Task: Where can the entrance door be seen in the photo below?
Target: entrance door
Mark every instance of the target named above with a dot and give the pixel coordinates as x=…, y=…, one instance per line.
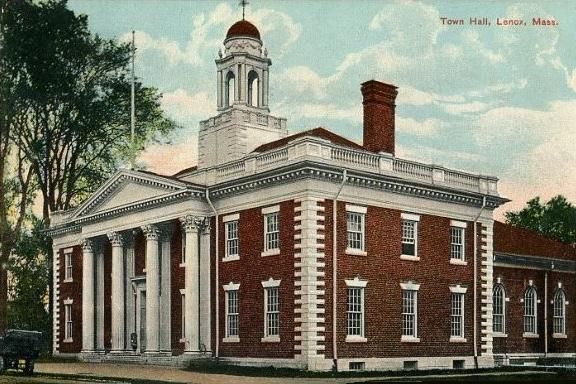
x=142, y=321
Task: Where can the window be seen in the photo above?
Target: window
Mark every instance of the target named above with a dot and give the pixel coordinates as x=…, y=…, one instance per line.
x=355, y=225
x=68, y=267
x=530, y=305
x=232, y=238
x=232, y=312
x=355, y=312
x=498, y=309
x=271, y=232
x=457, y=243
x=409, y=312
x=356, y=365
x=68, y=320
x=272, y=312
x=253, y=89
x=230, y=89
x=559, y=321
x=457, y=317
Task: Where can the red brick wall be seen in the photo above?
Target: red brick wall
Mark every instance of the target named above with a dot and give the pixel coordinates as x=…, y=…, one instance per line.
x=71, y=290
x=250, y=271
x=515, y=281
x=384, y=271
x=510, y=239
x=177, y=279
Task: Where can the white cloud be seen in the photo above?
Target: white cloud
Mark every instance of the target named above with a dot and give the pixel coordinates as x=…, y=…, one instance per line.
x=472, y=107
x=169, y=159
x=302, y=79
x=426, y=127
x=184, y=107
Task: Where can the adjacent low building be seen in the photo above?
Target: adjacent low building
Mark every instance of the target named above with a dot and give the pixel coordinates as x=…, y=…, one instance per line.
x=305, y=250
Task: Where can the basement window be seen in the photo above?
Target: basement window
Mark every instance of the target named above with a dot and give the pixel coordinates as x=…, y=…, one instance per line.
x=356, y=365
x=411, y=365
x=458, y=364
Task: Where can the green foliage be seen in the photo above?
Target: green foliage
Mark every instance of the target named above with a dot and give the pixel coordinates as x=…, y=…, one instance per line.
x=555, y=219
x=29, y=278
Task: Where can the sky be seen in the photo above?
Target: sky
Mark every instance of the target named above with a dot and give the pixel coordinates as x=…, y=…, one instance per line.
x=494, y=99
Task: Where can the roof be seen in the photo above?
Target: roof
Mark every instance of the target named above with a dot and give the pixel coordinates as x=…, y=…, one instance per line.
x=521, y=241
x=243, y=28
x=319, y=132
x=184, y=171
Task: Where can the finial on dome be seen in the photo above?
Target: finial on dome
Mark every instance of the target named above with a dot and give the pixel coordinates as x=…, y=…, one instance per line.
x=243, y=3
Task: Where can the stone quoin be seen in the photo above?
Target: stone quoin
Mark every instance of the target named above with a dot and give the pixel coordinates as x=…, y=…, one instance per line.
x=306, y=250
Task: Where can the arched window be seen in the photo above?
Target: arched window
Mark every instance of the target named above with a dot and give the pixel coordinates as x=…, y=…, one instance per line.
x=499, y=311
x=230, y=89
x=530, y=305
x=253, y=86
x=559, y=312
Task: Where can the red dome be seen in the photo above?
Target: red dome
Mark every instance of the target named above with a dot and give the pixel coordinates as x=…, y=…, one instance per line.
x=243, y=28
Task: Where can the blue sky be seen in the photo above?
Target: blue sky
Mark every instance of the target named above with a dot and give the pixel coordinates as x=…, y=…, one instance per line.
x=498, y=100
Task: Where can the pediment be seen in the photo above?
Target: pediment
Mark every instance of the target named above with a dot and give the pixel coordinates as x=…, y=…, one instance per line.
x=126, y=188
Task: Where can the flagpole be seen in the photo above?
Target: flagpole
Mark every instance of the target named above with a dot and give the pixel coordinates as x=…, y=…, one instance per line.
x=132, y=103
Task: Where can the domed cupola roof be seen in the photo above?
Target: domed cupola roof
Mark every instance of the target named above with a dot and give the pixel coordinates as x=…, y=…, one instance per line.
x=243, y=28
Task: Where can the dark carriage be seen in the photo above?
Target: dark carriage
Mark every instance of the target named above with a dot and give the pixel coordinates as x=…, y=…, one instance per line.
x=19, y=349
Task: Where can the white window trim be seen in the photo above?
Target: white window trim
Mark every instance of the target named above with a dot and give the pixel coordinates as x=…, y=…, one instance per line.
x=458, y=224
x=356, y=209
x=68, y=304
x=230, y=287
x=416, y=219
x=360, y=210
x=227, y=257
x=272, y=209
x=232, y=217
x=411, y=286
x=458, y=289
x=265, y=212
x=409, y=216
x=183, y=316
x=458, y=262
x=357, y=283
x=530, y=335
x=68, y=262
x=557, y=335
x=270, y=283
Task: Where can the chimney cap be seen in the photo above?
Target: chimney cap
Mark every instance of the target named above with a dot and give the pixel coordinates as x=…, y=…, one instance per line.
x=377, y=84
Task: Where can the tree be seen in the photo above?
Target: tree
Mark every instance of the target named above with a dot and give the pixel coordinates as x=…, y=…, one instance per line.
x=64, y=121
x=555, y=219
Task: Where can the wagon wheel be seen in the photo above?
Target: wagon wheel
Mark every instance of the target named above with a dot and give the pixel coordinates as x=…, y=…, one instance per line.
x=29, y=367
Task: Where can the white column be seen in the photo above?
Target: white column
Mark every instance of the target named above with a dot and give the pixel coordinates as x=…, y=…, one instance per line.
x=130, y=300
x=88, y=301
x=265, y=88
x=99, y=299
x=191, y=295
x=152, y=288
x=205, y=300
x=118, y=293
x=165, y=302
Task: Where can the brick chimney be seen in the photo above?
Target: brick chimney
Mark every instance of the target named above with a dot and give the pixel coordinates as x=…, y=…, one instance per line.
x=379, y=109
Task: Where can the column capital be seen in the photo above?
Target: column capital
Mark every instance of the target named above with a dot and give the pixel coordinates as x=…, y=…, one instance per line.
x=87, y=245
x=151, y=231
x=116, y=239
x=191, y=223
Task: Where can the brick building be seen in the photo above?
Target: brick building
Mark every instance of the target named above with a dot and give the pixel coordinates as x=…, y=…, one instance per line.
x=307, y=251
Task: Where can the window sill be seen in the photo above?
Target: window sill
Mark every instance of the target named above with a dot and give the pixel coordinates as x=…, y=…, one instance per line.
x=498, y=334
x=232, y=339
x=270, y=339
x=530, y=335
x=356, y=252
x=69, y=280
x=143, y=270
x=182, y=265
x=559, y=336
x=409, y=258
x=270, y=252
x=410, y=339
x=356, y=339
x=67, y=341
x=458, y=262
x=182, y=340
x=457, y=339
x=231, y=258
